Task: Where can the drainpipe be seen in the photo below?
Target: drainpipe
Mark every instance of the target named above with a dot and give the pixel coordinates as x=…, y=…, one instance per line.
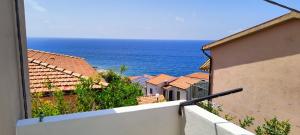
x=21, y=58
x=210, y=71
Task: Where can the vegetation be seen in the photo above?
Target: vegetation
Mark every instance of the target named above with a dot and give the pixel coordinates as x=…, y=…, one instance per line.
x=87, y=97
x=270, y=127
x=119, y=92
x=274, y=127
x=42, y=107
x=210, y=107
x=246, y=122
x=229, y=117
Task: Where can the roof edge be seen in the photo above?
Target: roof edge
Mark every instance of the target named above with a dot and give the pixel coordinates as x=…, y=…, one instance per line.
x=254, y=29
x=59, y=69
x=59, y=54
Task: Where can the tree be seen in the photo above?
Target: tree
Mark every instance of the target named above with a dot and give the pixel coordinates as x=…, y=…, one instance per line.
x=86, y=95
x=274, y=127
x=120, y=93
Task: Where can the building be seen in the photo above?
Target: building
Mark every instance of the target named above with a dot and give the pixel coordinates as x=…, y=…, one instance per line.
x=265, y=61
x=199, y=75
x=179, y=89
x=187, y=87
x=62, y=71
x=141, y=80
x=156, y=84
x=159, y=118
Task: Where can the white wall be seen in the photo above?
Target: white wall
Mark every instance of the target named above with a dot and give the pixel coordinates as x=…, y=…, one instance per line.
x=155, y=88
x=11, y=102
x=150, y=119
x=201, y=122
x=183, y=93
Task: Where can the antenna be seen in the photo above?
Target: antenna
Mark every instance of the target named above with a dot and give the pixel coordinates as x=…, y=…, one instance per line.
x=283, y=6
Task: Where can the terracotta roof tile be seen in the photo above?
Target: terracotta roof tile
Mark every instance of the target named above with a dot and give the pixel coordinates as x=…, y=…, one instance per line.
x=199, y=75
x=150, y=99
x=71, y=63
x=64, y=72
x=184, y=82
x=161, y=79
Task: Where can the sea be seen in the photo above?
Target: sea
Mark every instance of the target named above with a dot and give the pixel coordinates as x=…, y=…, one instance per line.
x=173, y=57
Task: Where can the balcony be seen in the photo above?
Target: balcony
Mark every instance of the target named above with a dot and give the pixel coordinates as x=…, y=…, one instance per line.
x=149, y=119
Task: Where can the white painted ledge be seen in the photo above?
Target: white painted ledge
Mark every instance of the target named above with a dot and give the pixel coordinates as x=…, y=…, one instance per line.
x=202, y=122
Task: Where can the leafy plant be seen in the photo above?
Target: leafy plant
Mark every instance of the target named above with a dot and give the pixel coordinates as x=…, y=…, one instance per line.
x=274, y=127
x=246, y=122
x=61, y=105
x=229, y=117
x=42, y=107
x=120, y=93
x=86, y=96
x=210, y=107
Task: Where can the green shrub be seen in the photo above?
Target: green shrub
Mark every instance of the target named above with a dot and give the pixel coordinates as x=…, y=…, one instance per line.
x=229, y=117
x=210, y=107
x=61, y=105
x=86, y=96
x=42, y=107
x=246, y=122
x=274, y=127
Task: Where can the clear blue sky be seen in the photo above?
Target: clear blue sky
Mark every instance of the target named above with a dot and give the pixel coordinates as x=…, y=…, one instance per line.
x=147, y=19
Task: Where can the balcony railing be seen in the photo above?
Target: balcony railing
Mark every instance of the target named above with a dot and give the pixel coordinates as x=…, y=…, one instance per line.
x=150, y=119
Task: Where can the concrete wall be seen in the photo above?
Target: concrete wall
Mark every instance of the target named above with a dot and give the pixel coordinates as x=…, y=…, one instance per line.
x=201, y=122
x=155, y=88
x=267, y=66
x=150, y=119
x=183, y=93
x=11, y=102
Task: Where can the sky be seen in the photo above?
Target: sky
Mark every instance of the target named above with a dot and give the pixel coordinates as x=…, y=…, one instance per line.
x=147, y=19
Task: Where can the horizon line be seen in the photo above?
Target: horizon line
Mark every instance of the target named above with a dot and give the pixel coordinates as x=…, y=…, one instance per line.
x=121, y=38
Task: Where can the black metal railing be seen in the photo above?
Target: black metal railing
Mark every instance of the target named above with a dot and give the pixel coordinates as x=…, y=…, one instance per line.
x=195, y=101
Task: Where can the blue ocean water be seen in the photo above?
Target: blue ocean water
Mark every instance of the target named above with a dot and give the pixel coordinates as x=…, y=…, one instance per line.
x=173, y=57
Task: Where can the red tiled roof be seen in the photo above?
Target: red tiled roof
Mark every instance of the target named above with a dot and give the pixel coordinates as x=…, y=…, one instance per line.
x=71, y=63
x=150, y=99
x=160, y=79
x=184, y=82
x=199, y=75
x=61, y=73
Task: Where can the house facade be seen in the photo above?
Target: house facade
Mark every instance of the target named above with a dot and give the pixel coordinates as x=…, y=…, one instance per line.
x=141, y=80
x=185, y=88
x=156, y=84
x=265, y=61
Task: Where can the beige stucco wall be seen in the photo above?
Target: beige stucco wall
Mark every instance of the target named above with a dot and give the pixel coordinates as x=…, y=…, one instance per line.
x=11, y=102
x=267, y=65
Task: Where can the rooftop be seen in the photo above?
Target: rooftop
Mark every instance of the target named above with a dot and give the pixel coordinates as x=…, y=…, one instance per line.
x=150, y=99
x=62, y=71
x=161, y=79
x=184, y=82
x=257, y=28
x=199, y=75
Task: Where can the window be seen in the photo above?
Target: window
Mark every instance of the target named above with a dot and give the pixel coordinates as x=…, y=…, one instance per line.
x=151, y=91
x=178, y=95
x=164, y=93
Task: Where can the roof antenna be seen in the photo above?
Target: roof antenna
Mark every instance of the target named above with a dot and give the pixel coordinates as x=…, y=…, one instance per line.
x=283, y=6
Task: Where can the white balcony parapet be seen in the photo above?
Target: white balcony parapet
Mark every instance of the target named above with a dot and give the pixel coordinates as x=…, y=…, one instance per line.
x=150, y=119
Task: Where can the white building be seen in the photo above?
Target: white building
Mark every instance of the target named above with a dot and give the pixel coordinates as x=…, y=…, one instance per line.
x=156, y=84
x=142, y=81
x=184, y=88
